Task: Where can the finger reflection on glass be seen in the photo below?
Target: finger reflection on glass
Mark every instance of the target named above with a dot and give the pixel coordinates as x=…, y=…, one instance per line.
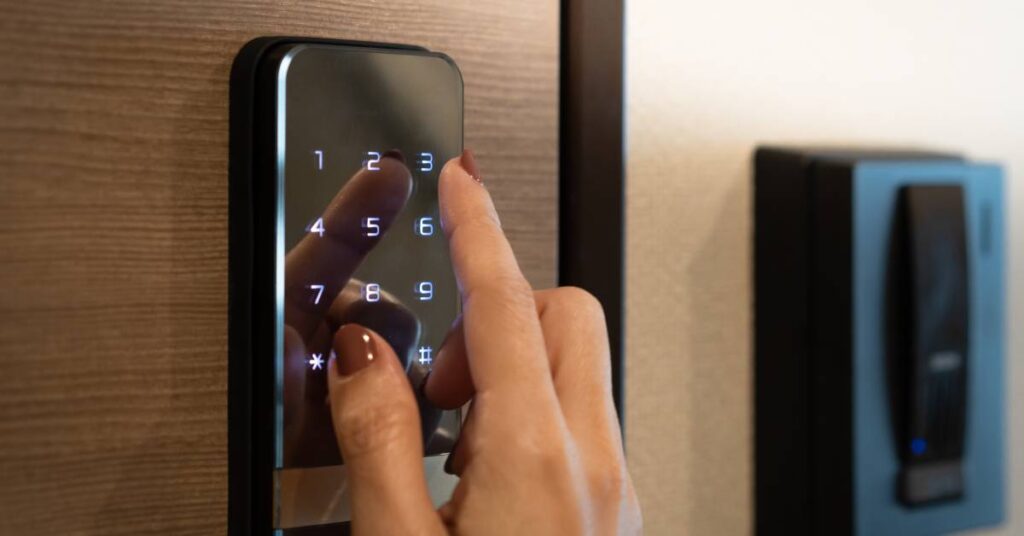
x=353, y=223
x=321, y=295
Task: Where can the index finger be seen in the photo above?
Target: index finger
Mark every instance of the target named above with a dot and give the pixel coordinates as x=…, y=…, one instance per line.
x=503, y=336
x=320, y=265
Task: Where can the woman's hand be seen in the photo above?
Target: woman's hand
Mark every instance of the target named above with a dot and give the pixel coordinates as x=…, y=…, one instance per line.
x=540, y=451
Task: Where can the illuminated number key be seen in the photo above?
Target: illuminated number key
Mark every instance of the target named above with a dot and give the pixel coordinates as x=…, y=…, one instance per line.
x=371, y=292
x=425, y=290
x=319, y=289
x=424, y=226
x=426, y=162
x=371, y=226
x=373, y=158
x=317, y=227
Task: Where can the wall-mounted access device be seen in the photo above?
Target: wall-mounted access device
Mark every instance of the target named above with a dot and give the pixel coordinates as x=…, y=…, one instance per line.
x=878, y=342
x=336, y=148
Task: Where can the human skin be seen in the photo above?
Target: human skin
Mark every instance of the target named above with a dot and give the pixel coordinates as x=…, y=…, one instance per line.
x=541, y=449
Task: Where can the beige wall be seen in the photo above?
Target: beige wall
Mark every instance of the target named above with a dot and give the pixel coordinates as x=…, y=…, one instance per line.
x=707, y=82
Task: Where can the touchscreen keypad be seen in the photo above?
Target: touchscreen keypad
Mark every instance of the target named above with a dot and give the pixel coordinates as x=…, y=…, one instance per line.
x=364, y=137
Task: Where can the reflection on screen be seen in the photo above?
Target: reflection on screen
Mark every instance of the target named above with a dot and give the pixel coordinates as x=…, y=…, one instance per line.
x=365, y=133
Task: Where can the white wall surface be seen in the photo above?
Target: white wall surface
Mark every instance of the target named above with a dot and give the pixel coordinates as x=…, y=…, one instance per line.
x=707, y=82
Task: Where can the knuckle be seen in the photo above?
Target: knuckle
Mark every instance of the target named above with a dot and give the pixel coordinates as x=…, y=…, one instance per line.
x=554, y=465
x=549, y=451
x=539, y=445
x=576, y=304
x=582, y=300
x=608, y=486
x=551, y=460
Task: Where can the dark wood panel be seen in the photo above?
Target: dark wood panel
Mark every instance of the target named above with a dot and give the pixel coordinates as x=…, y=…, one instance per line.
x=113, y=231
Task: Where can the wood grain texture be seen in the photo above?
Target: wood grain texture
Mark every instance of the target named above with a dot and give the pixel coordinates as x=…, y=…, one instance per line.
x=113, y=231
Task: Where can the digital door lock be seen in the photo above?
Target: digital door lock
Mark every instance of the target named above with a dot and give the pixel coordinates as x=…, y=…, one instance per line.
x=336, y=149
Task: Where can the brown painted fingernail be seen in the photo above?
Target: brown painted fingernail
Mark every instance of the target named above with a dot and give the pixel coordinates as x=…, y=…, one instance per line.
x=468, y=163
x=396, y=154
x=355, y=348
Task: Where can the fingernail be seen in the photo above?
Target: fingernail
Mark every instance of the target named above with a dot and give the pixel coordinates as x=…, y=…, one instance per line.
x=469, y=164
x=355, y=347
x=396, y=154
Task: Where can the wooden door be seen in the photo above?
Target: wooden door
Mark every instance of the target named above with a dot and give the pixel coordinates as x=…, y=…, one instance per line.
x=113, y=231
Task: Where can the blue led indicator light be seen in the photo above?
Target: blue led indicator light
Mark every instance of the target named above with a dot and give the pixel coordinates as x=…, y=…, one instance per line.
x=918, y=446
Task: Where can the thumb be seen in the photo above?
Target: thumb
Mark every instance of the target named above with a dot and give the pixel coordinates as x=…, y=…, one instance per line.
x=377, y=426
